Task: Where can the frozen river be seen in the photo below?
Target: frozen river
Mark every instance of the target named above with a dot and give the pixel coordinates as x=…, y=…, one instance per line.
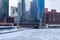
x=32, y=34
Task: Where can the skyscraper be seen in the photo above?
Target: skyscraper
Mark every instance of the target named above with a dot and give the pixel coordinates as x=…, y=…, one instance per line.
x=22, y=10
x=13, y=10
x=19, y=10
x=41, y=11
x=4, y=9
x=23, y=19
x=33, y=11
x=1, y=10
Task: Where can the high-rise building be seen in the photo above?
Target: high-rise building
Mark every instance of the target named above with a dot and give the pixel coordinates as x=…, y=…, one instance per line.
x=41, y=11
x=4, y=9
x=23, y=19
x=22, y=11
x=28, y=16
x=14, y=10
x=33, y=11
x=14, y=14
x=19, y=10
x=1, y=12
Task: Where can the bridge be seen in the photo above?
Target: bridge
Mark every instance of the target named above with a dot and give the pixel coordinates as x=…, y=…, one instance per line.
x=29, y=25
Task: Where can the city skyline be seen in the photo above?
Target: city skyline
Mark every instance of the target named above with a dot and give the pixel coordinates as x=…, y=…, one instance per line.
x=15, y=4
x=48, y=4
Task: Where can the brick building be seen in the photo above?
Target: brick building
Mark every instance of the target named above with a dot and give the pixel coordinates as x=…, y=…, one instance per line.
x=52, y=17
x=10, y=20
x=46, y=10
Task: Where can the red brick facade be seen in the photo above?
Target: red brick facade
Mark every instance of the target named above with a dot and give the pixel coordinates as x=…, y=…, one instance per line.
x=52, y=17
x=46, y=10
x=10, y=20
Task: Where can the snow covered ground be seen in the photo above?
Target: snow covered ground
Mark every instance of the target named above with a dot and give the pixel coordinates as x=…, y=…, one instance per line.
x=32, y=34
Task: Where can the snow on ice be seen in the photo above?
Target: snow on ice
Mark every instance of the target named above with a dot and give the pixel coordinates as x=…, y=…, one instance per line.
x=32, y=34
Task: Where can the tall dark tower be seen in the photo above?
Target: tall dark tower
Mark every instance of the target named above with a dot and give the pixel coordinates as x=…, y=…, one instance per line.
x=4, y=9
x=41, y=11
x=23, y=18
x=33, y=11
x=1, y=10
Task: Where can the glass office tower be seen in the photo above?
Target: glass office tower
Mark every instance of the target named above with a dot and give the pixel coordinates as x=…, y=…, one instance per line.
x=21, y=11
x=33, y=11
x=6, y=8
x=41, y=11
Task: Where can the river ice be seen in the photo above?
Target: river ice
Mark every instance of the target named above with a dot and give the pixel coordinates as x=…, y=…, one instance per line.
x=32, y=34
